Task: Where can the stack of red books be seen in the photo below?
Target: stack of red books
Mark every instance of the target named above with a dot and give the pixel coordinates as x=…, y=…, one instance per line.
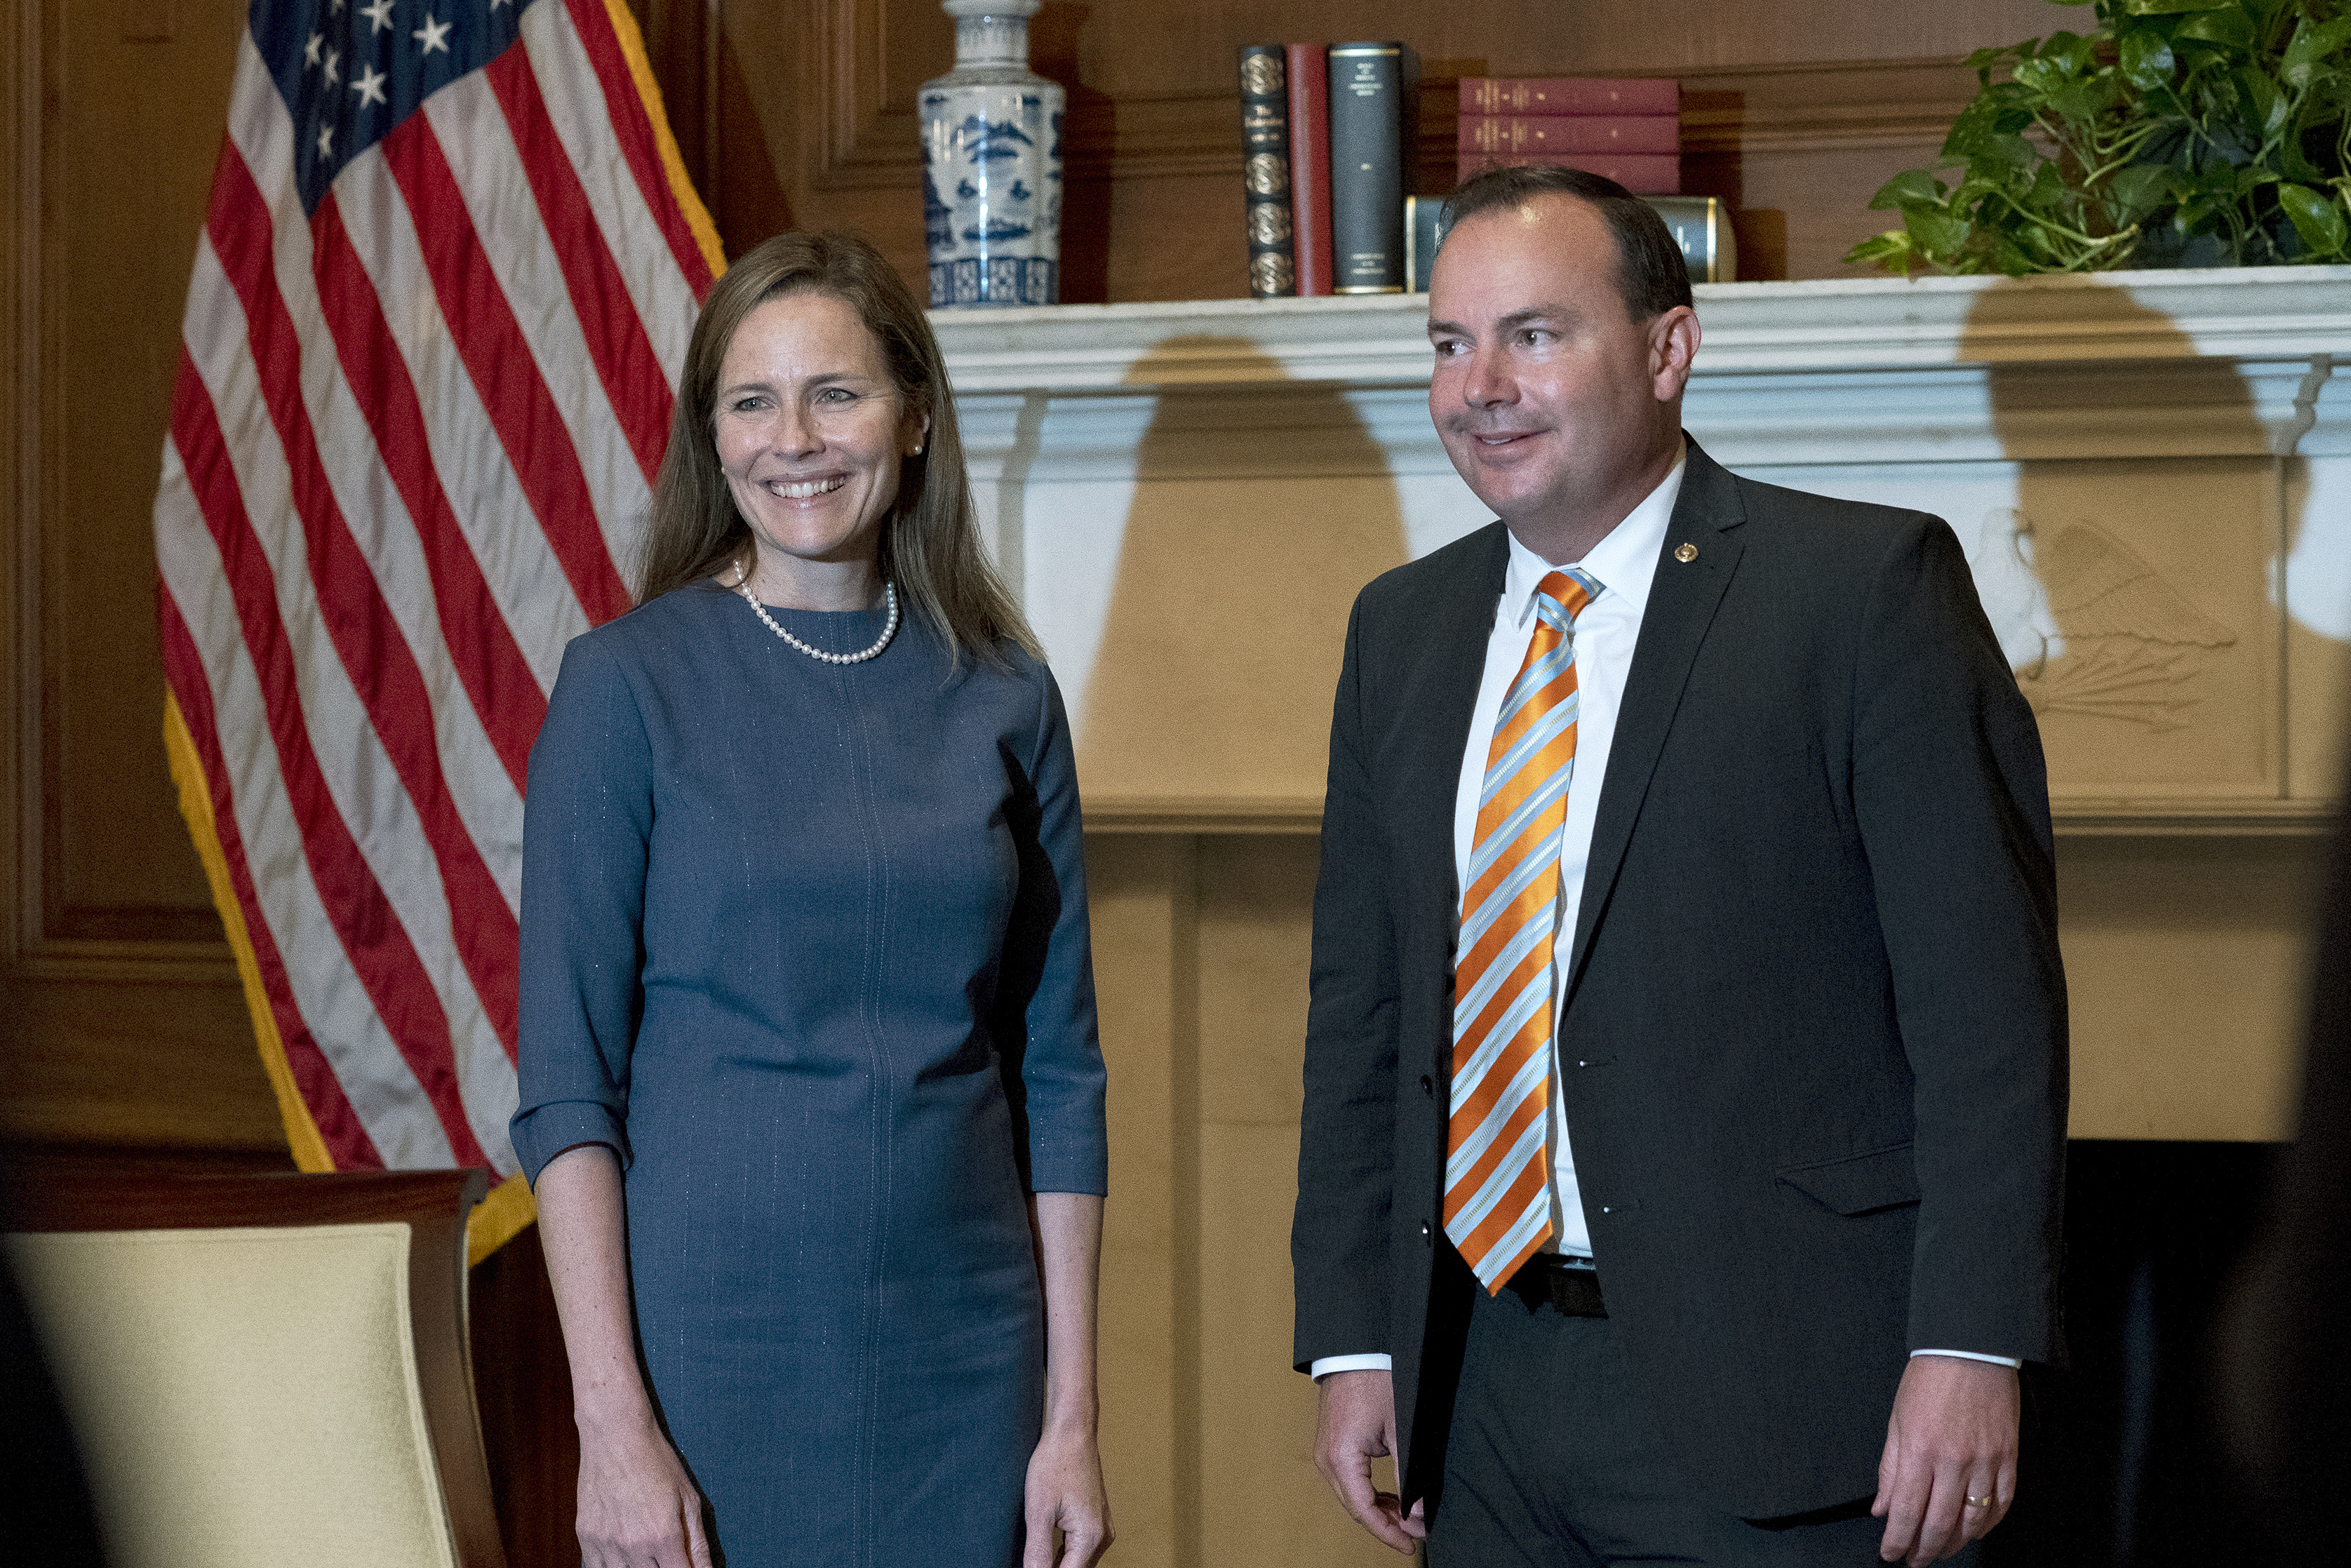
x=1627, y=130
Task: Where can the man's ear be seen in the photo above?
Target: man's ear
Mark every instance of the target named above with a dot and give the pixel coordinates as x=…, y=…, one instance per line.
x=1673, y=345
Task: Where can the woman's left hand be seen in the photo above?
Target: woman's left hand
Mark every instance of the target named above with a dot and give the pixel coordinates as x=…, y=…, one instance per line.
x=1065, y=1494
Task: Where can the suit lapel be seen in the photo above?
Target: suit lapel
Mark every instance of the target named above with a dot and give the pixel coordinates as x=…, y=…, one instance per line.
x=1683, y=597
x=1439, y=697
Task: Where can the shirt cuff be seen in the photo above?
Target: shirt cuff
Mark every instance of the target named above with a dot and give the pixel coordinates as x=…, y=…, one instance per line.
x=2007, y=1361
x=1330, y=1363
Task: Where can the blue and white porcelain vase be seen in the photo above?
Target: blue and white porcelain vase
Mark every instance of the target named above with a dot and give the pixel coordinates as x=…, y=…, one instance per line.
x=992, y=164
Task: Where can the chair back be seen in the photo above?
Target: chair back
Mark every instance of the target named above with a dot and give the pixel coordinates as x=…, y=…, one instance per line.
x=266, y=1370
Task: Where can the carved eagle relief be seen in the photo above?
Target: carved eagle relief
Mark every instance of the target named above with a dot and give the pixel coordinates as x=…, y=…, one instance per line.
x=2087, y=625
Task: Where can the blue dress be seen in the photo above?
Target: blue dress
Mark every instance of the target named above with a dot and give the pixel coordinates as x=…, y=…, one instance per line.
x=806, y=944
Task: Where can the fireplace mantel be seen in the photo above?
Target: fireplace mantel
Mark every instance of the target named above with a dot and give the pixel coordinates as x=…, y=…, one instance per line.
x=1186, y=495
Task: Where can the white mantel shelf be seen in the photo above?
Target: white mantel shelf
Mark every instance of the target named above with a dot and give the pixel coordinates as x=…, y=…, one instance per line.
x=2189, y=430
x=1834, y=325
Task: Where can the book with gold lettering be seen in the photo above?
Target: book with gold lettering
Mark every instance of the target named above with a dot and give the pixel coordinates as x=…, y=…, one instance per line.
x=1516, y=133
x=1569, y=95
x=1266, y=176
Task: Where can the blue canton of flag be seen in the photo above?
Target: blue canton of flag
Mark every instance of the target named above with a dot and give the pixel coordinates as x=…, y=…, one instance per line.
x=349, y=71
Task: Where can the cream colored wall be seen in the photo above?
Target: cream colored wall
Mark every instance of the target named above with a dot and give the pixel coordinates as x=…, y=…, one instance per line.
x=1200, y=946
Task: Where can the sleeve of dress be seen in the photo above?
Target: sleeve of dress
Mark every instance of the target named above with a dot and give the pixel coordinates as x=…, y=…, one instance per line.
x=1043, y=1019
x=587, y=819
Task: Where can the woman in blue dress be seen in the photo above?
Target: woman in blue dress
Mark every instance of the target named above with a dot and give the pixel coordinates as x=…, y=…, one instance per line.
x=810, y=1091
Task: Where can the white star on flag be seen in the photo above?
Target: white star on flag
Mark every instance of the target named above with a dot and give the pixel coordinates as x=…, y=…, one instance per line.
x=380, y=13
x=334, y=71
x=434, y=34
x=370, y=87
x=326, y=141
x=310, y=49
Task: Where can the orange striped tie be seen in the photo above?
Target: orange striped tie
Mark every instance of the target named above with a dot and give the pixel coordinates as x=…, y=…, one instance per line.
x=1496, y=1177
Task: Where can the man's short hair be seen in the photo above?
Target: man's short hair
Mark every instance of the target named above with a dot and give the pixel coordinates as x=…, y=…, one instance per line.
x=1650, y=272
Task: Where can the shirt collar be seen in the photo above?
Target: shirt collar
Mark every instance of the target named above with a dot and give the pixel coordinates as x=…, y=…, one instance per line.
x=1623, y=563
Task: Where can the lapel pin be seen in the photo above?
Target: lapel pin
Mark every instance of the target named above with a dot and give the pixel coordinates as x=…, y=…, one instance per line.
x=1686, y=553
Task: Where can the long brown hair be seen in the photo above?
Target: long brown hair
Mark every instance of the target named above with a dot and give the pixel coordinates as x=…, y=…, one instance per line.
x=930, y=542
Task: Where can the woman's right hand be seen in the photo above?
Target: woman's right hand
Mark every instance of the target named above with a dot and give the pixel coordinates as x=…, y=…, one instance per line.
x=638, y=1509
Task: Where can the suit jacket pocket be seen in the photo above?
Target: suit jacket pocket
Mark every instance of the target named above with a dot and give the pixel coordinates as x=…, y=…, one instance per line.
x=1864, y=1183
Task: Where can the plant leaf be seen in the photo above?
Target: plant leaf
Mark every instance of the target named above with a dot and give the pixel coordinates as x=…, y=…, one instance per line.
x=1909, y=187
x=2226, y=25
x=2146, y=59
x=2267, y=106
x=2168, y=7
x=2138, y=188
x=2318, y=221
x=2086, y=98
x=1973, y=131
x=2313, y=42
x=2042, y=75
x=1938, y=234
x=2006, y=258
x=2003, y=155
x=1890, y=250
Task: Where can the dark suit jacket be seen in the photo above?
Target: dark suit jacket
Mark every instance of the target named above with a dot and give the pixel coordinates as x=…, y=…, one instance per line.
x=1813, y=1039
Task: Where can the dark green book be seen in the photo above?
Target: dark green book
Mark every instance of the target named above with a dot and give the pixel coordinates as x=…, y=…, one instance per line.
x=1368, y=177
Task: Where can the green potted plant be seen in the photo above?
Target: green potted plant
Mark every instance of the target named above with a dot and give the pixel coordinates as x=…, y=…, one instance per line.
x=2176, y=132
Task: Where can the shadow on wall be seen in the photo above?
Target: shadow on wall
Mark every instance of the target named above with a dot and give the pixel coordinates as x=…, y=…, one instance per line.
x=2137, y=629
x=1258, y=512
x=2141, y=596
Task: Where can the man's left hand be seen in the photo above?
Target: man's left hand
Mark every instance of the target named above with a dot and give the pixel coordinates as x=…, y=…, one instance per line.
x=1952, y=1437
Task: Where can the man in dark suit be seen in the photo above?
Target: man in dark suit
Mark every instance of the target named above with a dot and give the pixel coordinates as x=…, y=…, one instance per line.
x=1683, y=1144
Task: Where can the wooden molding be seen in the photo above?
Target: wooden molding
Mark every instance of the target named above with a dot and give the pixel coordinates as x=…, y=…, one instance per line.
x=21, y=100
x=2074, y=816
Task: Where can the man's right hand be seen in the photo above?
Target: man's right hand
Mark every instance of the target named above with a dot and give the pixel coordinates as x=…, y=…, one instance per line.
x=637, y=1507
x=1355, y=1423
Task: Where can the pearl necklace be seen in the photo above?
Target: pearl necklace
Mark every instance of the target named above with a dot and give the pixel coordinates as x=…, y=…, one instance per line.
x=890, y=629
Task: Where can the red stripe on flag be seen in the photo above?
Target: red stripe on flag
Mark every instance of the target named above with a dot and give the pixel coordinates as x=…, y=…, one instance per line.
x=338, y=1125
x=382, y=668
x=635, y=131
x=490, y=340
x=624, y=357
x=488, y=660
x=374, y=654
x=381, y=955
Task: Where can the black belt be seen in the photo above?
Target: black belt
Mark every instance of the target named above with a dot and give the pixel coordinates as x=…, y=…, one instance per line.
x=1569, y=1285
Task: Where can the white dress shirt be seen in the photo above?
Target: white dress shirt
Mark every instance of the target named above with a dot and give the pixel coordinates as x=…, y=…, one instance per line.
x=1623, y=564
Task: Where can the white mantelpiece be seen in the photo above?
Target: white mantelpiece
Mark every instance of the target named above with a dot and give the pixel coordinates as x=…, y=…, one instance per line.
x=1186, y=495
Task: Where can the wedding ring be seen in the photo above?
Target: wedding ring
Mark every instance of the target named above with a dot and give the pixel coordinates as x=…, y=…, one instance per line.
x=1980, y=1502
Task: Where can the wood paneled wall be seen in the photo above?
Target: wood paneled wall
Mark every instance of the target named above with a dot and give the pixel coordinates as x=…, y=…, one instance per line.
x=802, y=112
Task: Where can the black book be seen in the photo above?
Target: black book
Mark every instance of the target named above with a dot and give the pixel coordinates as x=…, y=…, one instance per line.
x=1367, y=173
x=1265, y=170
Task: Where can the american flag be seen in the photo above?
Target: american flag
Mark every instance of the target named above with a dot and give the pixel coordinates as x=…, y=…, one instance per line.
x=433, y=338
